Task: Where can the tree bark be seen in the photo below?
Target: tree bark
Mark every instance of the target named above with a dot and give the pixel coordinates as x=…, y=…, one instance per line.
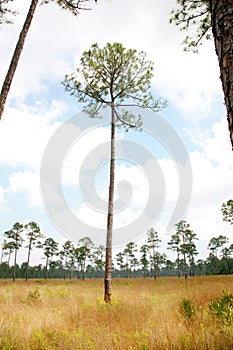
x=14, y=270
x=108, y=264
x=178, y=263
x=29, y=253
x=222, y=28
x=46, y=268
x=155, y=265
x=16, y=55
x=8, y=264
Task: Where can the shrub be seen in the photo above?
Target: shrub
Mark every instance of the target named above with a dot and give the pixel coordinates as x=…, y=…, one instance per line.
x=34, y=296
x=223, y=307
x=187, y=309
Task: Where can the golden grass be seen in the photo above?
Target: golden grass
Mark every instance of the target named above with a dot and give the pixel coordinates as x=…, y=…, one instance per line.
x=145, y=315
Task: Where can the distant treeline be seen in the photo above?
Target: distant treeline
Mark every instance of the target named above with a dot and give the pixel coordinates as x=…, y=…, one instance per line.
x=85, y=260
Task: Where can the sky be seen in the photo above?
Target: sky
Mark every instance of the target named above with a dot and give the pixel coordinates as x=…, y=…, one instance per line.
x=54, y=160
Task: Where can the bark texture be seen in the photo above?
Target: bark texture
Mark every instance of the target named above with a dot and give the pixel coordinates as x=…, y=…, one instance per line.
x=108, y=265
x=16, y=56
x=29, y=253
x=222, y=27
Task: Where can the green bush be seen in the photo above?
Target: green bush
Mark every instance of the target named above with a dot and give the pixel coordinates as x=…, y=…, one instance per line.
x=34, y=296
x=223, y=307
x=187, y=309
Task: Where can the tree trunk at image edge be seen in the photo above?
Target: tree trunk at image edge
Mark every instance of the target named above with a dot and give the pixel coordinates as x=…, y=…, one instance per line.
x=222, y=27
x=108, y=264
x=15, y=58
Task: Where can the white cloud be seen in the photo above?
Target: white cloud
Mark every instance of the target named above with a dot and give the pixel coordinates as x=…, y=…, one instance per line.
x=25, y=132
x=2, y=197
x=212, y=174
x=218, y=147
x=131, y=195
x=80, y=150
x=190, y=81
x=26, y=182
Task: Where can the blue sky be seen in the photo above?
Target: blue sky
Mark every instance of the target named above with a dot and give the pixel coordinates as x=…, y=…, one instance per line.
x=38, y=106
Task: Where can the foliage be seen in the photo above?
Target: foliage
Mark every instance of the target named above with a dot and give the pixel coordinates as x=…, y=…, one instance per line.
x=34, y=237
x=33, y=234
x=223, y=307
x=115, y=77
x=216, y=243
x=187, y=308
x=182, y=242
x=74, y=6
x=156, y=258
x=194, y=15
x=144, y=317
x=113, y=74
x=34, y=296
x=5, y=11
x=227, y=211
x=86, y=260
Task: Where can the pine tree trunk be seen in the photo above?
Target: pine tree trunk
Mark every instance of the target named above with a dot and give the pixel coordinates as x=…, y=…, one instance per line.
x=46, y=268
x=222, y=28
x=185, y=267
x=14, y=270
x=29, y=252
x=178, y=263
x=16, y=56
x=84, y=267
x=154, y=263
x=8, y=265
x=108, y=263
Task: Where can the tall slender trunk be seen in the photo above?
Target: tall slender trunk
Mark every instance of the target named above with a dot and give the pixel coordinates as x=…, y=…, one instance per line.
x=8, y=264
x=46, y=268
x=64, y=270
x=16, y=55
x=192, y=266
x=127, y=267
x=84, y=267
x=29, y=252
x=155, y=264
x=184, y=261
x=224, y=258
x=178, y=263
x=222, y=28
x=14, y=270
x=108, y=263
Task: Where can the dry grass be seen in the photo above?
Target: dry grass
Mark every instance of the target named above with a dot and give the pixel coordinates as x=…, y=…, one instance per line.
x=70, y=315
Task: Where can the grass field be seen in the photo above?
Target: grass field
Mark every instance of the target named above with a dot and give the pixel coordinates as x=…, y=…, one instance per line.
x=144, y=314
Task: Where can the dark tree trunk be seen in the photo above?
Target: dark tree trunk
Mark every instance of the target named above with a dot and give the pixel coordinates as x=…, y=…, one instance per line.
x=29, y=253
x=46, y=268
x=14, y=269
x=185, y=266
x=8, y=265
x=222, y=27
x=16, y=55
x=84, y=267
x=178, y=263
x=155, y=265
x=108, y=263
x=192, y=267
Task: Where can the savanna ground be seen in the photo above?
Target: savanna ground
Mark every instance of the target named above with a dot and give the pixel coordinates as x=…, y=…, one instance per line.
x=145, y=315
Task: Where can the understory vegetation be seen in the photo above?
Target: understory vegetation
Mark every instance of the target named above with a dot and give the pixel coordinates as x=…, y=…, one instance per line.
x=170, y=313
